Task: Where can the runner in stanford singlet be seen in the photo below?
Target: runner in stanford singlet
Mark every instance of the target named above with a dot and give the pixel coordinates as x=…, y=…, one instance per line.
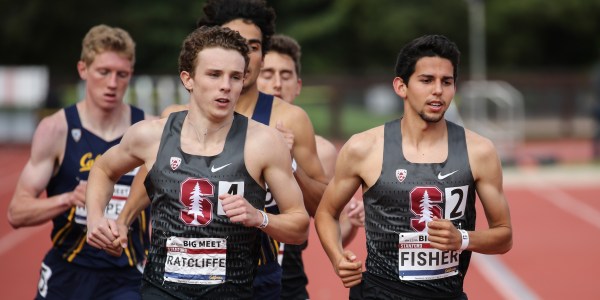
x=407, y=196
x=196, y=251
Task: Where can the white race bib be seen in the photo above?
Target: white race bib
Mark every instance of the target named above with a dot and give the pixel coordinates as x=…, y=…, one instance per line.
x=417, y=260
x=196, y=260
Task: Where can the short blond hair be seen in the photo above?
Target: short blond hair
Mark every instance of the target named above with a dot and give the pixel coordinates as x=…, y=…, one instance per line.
x=102, y=38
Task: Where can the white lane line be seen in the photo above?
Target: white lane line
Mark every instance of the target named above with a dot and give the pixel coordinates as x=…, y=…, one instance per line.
x=570, y=204
x=508, y=284
x=14, y=238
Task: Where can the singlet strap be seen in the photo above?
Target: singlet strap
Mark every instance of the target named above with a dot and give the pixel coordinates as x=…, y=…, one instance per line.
x=73, y=120
x=392, y=146
x=136, y=114
x=264, y=106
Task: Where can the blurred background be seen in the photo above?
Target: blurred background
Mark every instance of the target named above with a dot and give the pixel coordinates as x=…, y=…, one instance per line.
x=530, y=69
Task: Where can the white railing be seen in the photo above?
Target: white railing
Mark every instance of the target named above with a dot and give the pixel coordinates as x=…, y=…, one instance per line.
x=494, y=109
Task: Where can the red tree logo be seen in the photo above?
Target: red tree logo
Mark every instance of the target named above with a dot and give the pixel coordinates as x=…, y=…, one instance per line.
x=423, y=203
x=193, y=193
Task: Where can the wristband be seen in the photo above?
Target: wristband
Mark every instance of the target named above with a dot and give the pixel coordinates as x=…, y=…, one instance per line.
x=265, y=221
x=464, y=238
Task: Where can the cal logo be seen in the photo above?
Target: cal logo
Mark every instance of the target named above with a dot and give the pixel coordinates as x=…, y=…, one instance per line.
x=175, y=162
x=87, y=161
x=76, y=134
x=401, y=174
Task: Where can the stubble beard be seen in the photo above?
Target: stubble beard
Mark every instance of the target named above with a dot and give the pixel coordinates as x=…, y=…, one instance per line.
x=431, y=119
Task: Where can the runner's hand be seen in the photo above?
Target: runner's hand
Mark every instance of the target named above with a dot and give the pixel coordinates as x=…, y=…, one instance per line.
x=77, y=196
x=120, y=243
x=349, y=269
x=239, y=210
x=443, y=235
x=288, y=135
x=102, y=232
x=356, y=212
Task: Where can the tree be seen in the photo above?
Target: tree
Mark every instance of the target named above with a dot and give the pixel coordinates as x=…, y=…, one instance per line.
x=196, y=207
x=426, y=213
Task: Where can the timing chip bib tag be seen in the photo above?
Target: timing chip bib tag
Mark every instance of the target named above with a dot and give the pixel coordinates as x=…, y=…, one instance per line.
x=196, y=260
x=417, y=260
x=281, y=253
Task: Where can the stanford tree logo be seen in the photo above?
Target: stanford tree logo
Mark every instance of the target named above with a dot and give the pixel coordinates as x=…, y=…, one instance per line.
x=198, y=208
x=424, y=203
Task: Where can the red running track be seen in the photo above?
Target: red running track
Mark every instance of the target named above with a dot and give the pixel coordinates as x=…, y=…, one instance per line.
x=555, y=214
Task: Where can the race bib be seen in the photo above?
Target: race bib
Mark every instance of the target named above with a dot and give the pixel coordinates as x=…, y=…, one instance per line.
x=113, y=209
x=417, y=260
x=196, y=260
x=280, y=253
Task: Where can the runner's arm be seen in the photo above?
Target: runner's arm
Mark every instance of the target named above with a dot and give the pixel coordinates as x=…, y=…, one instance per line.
x=327, y=218
x=309, y=173
x=135, y=146
x=138, y=197
x=26, y=207
x=497, y=238
x=487, y=172
x=291, y=225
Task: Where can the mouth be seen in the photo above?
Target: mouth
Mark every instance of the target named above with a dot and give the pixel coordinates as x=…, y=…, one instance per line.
x=111, y=96
x=436, y=103
x=436, y=106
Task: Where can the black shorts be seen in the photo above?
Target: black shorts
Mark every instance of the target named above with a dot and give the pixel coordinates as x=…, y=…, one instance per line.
x=61, y=280
x=151, y=292
x=373, y=288
x=224, y=291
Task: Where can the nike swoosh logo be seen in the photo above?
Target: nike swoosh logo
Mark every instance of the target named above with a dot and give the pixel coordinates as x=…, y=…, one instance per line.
x=440, y=176
x=213, y=169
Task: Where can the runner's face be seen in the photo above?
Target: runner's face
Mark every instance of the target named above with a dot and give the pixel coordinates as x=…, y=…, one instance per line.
x=107, y=78
x=278, y=77
x=254, y=38
x=430, y=88
x=217, y=82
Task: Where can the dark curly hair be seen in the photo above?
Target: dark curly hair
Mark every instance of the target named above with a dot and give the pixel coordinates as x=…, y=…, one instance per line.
x=219, y=12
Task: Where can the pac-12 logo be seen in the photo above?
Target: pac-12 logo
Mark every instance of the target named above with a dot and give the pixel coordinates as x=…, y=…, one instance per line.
x=425, y=204
x=175, y=162
x=198, y=208
x=401, y=174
